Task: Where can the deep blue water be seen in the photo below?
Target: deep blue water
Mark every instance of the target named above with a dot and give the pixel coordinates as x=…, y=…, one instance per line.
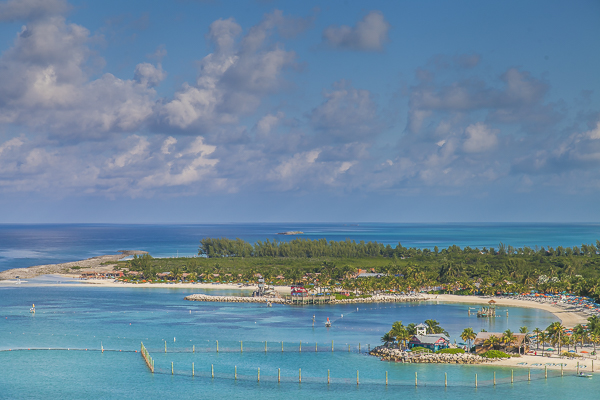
x=80, y=318
x=27, y=245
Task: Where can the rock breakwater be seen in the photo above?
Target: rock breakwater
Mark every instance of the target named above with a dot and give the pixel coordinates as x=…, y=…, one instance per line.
x=397, y=355
x=235, y=299
x=279, y=300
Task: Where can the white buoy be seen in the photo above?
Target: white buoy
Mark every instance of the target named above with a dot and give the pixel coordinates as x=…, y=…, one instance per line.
x=173, y=340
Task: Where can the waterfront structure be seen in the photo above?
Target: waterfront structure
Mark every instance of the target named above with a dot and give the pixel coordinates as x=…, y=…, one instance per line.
x=432, y=342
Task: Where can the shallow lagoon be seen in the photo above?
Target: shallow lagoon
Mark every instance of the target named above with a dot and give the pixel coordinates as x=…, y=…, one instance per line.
x=119, y=319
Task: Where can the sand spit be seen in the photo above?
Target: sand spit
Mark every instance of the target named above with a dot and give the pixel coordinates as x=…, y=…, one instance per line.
x=94, y=263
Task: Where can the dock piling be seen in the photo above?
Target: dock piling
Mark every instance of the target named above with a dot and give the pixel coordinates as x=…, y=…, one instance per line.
x=241, y=346
x=512, y=380
x=265, y=346
x=235, y=372
x=356, y=377
x=278, y=375
x=259, y=375
x=494, y=378
x=386, y=378
x=561, y=369
x=172, y=371
x=529, y=375
x=545, y=372
x=193, y=369
x=475, y=380
x=416, y=382
x=328, y=377
x=445, y=379
x=300, y=347
x=212, y=370
x=332, y=346
x=217, y=346
x=193, y=348
x=300, y=375
x=165, y=347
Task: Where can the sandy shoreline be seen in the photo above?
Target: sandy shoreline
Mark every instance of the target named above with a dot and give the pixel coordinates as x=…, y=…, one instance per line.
x=567, y=317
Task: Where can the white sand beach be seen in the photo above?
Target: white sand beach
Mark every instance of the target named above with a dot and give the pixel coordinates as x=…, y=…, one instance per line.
x=569, y=318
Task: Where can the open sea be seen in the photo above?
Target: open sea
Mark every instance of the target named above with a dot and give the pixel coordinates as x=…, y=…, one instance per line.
x=56, y=352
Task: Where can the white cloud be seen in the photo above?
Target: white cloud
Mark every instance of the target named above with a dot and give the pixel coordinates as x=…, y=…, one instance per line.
x=347, y=114
x=233, y=79
x=479, y=138
x=45, y=85
x=369, y=34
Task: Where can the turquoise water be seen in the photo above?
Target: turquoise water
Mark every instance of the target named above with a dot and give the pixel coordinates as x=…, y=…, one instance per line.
x=74, y=322
x=80, y=318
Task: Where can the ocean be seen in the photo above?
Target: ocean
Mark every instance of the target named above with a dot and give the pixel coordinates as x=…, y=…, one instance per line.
x=56, y=352
x=26, y=245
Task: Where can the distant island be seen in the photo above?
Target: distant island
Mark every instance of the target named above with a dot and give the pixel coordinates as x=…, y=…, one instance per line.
x=291, y=233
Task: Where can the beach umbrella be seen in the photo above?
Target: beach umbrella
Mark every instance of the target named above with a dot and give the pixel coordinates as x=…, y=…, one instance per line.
x=550, y=349
x=583, y=351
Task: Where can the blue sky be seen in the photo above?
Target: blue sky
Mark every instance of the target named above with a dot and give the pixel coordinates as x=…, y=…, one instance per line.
x=242, y=111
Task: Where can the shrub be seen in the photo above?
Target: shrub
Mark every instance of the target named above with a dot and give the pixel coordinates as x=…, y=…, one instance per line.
x=450, y=351
x=421, y=349
x=495, y=354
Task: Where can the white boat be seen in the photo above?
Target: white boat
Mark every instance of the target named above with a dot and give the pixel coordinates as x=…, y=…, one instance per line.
x=328, y=323
x=32, y=309
x=583, y=375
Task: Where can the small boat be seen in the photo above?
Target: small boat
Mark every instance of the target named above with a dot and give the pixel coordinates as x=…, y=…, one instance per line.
x=269, y=304
x=32, y=309
x=582, y=375
x=328, y=323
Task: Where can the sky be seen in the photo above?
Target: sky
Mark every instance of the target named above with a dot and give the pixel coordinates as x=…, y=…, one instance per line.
x=314, y=111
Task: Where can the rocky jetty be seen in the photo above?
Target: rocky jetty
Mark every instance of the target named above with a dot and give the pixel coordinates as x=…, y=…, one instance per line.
x=379, y=298
x=397, y=355
x=235, y=299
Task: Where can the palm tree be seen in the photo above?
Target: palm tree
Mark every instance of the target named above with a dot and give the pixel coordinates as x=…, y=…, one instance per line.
x=556, y=332
x=537, y=332
x=387, y=338
x=524, y=330
x=493, y=342
x=468, y=335
x=543, y=337
x=434, y=327
x=403, y=336
x=508, y=337
x=397, y=329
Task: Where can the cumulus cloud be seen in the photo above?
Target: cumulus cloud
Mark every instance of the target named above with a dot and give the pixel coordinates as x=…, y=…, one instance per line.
x=347, y=115
x=133, y=165
x=234, y=78
x=479, y=138
x=369, y=34
x=45, y=85
x=17, y=10
x=520, y=100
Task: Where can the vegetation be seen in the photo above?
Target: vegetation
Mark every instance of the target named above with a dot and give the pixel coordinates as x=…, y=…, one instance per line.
x=421, y=350
x=450, y=351
x=401, y=334
x=332, y=264
x=495, y=354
